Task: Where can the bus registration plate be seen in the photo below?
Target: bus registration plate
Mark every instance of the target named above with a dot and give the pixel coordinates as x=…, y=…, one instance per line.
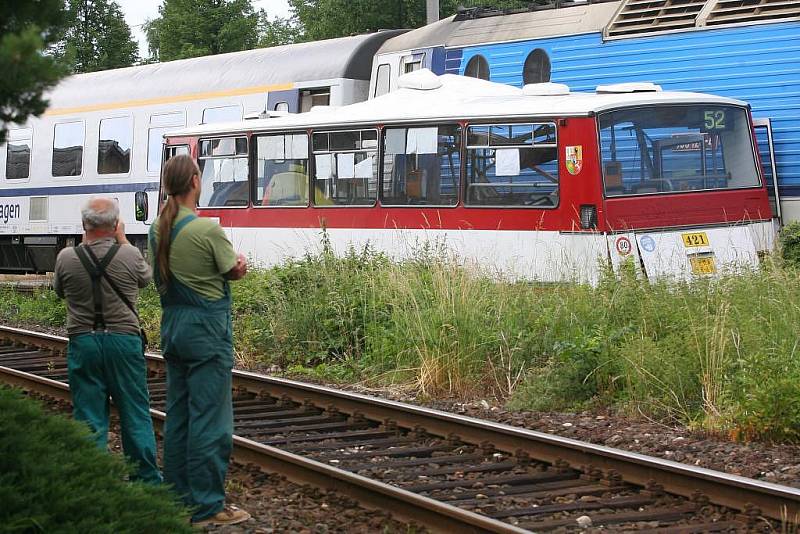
x=703, y=264
x=695, y=239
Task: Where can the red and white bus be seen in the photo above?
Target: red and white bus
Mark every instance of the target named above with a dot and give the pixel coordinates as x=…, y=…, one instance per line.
x=537, y=183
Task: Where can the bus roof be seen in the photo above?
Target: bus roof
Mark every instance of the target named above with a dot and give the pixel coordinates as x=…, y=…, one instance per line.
x=451, y=97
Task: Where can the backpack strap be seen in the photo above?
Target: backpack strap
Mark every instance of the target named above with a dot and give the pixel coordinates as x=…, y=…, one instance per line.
x=96, y=270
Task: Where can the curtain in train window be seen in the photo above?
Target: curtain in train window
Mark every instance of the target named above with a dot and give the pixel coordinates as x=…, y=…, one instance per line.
x=512, y=165
x=68, y=141
x=281, y=170
x=345, y=168
x=18, y=154
x=223, y=164
x=114, y=148
x=421, y=166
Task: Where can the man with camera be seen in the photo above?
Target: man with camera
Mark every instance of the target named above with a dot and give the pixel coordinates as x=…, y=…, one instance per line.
x=100, y=280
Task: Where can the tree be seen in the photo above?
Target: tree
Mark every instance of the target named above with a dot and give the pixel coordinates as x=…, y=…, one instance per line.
x=26, y=30
x=191, y=28
x=325, y=19
x=98, y=37
x=276, y=32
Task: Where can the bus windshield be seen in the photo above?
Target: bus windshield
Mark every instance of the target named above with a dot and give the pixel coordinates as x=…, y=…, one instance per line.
x=676, y=148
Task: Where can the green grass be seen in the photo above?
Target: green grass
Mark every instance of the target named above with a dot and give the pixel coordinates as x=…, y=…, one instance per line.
x=53, y=479
x=717, y=354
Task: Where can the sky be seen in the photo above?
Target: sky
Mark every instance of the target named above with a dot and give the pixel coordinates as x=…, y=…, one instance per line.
x=138, y=11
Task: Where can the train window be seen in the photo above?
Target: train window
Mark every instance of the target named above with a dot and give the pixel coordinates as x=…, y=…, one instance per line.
x=676, y=148
x=411, y=62
x=477, y=67
x=314, y=97
x=536, y=68
x=222, y=114
x=18, y=153
x=512, y=165
x=68, y=138
x=345, y=168
x=282, y=106
x=224, y=172
x=161, y=124
x=114, y=148
x=421, y=166
x=282, y=170
x=382, y=79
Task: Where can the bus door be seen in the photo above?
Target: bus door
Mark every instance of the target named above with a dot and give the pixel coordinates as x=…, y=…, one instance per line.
x=766, y=150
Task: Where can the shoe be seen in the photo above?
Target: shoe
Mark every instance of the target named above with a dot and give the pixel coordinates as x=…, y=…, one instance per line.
x=230, y=515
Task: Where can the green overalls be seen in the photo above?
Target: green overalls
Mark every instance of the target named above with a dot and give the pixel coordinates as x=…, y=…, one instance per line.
x=197, y=344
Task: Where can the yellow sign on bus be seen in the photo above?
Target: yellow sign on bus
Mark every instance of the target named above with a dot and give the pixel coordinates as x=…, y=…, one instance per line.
x=695, y=239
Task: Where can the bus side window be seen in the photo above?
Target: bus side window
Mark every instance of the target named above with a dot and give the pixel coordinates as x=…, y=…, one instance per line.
x=224, y=172
x=512, y=165
x=281, y=170
x=421, y=166
x=345, y=168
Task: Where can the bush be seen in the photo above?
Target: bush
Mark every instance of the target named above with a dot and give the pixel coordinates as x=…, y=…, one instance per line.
x=53, y=479
x=789, y=239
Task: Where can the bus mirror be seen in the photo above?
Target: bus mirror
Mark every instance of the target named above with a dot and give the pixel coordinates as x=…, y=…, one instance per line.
x=141, y=206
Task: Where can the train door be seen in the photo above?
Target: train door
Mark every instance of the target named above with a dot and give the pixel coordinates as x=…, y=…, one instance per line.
x=766, y=150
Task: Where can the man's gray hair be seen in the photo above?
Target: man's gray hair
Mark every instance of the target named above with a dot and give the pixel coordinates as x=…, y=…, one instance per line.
x=100, y=213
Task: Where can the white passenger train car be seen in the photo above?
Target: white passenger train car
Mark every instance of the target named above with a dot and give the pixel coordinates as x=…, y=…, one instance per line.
x=103, y=131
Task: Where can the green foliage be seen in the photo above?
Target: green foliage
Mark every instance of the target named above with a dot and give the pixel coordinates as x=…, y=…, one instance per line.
x=98, y=38
x=53, y=479
x=721, y=354
x=192, y=28
x=26, y=30
x=790, y=243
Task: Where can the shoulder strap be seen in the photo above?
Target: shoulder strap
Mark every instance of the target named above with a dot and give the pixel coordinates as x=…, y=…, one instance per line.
x=101, y=267
x=96, y=269
x=181, y=224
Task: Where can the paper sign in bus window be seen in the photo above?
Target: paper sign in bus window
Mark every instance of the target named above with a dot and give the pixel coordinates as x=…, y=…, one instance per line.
x=506, y=162
x=299, y=147
x=273, y=148
x=324, y=166
x=422, y=141
x=396, y=141
x=364, y=168
x=346, y=165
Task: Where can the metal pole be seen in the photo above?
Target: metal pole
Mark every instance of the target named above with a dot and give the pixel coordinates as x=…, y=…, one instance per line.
x=433, y=11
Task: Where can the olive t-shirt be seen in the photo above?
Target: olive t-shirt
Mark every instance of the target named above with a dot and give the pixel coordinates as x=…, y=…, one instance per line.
x=200, y=255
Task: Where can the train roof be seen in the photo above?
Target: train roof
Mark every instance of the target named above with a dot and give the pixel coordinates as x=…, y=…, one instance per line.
x=425, y=97
x=458, y=30
x=346, y=57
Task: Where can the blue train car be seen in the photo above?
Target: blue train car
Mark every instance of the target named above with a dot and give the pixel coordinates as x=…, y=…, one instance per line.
x=744, y=49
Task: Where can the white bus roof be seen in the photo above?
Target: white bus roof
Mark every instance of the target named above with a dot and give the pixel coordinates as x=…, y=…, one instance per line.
x=458, y=97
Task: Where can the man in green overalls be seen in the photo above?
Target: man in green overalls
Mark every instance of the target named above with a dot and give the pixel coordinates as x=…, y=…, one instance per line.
x=192, y=263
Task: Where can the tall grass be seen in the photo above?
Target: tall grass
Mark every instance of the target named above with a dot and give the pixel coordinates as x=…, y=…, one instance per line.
x=719, y=354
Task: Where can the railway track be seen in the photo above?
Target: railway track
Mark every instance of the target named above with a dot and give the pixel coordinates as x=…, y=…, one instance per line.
x=447, y=472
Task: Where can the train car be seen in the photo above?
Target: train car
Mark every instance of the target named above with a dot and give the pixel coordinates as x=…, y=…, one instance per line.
x=535, y=183
x=103, y=131
x=743, y=49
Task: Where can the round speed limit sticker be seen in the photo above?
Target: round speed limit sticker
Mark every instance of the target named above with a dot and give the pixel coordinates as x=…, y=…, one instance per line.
x=623, y=246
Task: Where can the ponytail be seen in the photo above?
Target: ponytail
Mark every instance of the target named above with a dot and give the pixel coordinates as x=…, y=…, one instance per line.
x=177, y=181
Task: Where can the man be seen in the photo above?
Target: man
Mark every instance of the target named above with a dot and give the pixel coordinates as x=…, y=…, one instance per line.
x=105, y=357
x=193, y=262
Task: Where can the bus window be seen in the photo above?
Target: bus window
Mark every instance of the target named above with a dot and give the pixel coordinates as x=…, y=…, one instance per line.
x=18, y=154
x=68, y=139
x=676, y=148
x=281, y=170
x=512, y=165
x=223, y=167
x=114, y=147
x=421, y=166
x=345, y=168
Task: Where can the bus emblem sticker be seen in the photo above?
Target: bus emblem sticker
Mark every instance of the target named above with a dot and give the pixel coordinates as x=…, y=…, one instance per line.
x=574, y=159
x=648, y=243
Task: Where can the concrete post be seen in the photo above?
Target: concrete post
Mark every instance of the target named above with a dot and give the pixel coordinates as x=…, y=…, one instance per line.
x=433, y=11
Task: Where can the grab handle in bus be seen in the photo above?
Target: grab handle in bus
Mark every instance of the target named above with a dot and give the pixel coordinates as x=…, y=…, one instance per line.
x=141, y=205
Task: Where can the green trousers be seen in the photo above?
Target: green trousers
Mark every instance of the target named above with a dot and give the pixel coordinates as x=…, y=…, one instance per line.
x=103, y=365
x=198, y=348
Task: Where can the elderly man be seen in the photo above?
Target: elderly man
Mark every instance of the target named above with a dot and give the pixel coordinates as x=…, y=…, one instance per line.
x=100, y=279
